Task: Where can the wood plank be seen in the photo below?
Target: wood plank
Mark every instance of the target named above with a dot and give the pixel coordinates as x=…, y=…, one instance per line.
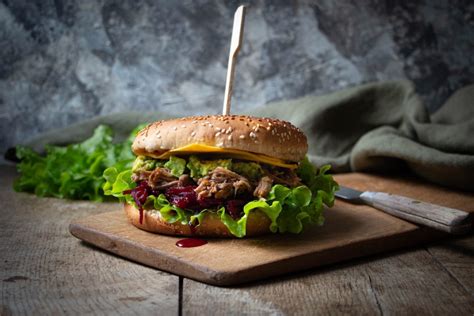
x=44, y=270
x=456, y=256
x=350, y=231
x=410, y=282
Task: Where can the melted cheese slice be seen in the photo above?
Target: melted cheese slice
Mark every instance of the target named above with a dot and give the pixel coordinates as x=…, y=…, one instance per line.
x=232, y=153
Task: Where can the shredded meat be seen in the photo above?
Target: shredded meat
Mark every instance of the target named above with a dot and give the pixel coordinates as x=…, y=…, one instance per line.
x=142, y=176
x=161, y=178
x=263, y=188
x=222, y=183
x=287, y=177
x=185, y=180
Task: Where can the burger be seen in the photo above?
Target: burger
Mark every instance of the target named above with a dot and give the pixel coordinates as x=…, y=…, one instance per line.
x=221, y=176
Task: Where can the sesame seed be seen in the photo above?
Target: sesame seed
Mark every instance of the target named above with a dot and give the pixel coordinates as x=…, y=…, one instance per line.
x=218, y=134
x=193, y=133
x=194, y=122
x=242, y=136
x=252, y=135
x=183, y=126
x=230, y=137
x=175, y=128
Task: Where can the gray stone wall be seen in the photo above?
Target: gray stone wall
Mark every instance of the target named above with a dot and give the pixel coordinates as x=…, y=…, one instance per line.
x=64, y=61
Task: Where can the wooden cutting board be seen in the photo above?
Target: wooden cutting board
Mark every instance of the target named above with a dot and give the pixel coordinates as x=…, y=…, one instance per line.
x=350, y=231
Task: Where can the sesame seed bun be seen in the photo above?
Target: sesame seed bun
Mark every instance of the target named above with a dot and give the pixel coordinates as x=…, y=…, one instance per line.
x=271, y=137
x=257, y=224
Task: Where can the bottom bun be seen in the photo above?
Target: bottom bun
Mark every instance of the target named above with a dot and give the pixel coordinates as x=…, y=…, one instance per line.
x=257, y=224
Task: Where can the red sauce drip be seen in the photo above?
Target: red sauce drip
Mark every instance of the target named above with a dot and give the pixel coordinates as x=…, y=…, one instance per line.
x=190, y=242
x=141, y=215
x=192, y=228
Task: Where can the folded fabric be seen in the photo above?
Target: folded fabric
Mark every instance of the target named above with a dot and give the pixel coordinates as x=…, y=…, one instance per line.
x=375, y=127
x=385, y=127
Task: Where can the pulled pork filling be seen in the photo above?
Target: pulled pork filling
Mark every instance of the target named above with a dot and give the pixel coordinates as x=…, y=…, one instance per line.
x=263, y=188
x=230, y=184
x=222, y=184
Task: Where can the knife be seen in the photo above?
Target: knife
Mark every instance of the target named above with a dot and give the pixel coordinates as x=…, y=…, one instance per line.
x=439, y=217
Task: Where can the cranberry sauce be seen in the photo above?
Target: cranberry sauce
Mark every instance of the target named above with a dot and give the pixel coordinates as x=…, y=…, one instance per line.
x=186, y=198
x=140, y=194
x=190, y=242
x=235, y=208
x=183, y=197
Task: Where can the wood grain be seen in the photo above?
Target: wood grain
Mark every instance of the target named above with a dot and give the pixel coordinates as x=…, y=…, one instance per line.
x=456, y=257
x=44, y=270
x=405, y=283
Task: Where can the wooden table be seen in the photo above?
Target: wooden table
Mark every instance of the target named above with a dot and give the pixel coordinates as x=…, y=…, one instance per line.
x=44, y=270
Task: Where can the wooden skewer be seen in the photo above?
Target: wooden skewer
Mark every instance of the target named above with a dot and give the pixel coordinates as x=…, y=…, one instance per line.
x=236, y=41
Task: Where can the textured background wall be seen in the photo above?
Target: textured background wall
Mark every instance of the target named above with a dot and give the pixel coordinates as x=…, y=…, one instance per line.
x=63, y=61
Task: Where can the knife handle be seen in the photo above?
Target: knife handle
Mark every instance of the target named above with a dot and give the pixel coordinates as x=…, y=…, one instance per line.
x=447, y=219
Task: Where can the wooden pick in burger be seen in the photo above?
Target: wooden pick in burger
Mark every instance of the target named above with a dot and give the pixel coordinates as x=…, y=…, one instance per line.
x=236, y=41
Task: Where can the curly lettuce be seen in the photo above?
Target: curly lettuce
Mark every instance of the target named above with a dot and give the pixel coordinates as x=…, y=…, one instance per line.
x=74, y=171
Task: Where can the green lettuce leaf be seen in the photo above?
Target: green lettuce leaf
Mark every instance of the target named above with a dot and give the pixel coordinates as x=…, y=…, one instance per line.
x=285, y=207
x=116, y=182
x=170, y=213
x=272, y=211
x=236, y=227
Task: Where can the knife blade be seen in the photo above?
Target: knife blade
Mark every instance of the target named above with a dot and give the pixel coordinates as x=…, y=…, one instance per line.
x=443, y=218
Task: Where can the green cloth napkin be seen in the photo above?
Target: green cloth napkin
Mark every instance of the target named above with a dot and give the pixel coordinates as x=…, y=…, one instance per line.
x=379, y=127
